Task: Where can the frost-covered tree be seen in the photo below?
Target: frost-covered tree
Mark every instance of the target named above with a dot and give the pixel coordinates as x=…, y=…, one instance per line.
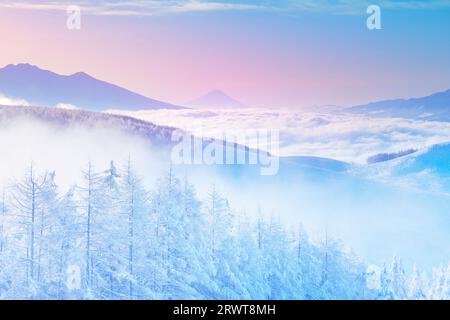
x=200, y=262
x=398, y=283
x=225, y=246
x=47, y=215
x=28, y=196
x=133, y=243
x=438, y=283
x=445, y=288
x=111, y=235
x=417, y=288
x=92, y=203
x=385, y=284
x=3, y=211
x=252, y=260
x=67, y=243
x=219, y=218
x=309, y=267
x=174, y=249
x=138, y=238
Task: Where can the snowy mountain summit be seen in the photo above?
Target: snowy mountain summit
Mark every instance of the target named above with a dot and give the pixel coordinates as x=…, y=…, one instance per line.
x=215, y=99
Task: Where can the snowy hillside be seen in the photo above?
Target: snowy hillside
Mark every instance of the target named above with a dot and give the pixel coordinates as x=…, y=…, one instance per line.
x=113, y=174
x=62, y=117
x=427, y=169
x=86, y=214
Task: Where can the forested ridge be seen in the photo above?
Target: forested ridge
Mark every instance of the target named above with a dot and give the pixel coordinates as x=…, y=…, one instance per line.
x=110, y=238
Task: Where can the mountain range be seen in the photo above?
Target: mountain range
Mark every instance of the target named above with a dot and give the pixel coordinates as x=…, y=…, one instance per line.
x=40, y=87
x=433, y=107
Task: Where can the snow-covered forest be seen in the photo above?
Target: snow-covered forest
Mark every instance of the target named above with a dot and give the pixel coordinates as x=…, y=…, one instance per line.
x=110, y=238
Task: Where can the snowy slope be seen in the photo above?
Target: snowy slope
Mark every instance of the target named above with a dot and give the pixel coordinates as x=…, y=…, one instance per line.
x=375, y=209
x=65, y=118
x=435, y=158
x=156, y=134
x=427, y=170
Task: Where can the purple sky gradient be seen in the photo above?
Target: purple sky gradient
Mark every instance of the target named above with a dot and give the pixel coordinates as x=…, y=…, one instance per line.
x=278, y=59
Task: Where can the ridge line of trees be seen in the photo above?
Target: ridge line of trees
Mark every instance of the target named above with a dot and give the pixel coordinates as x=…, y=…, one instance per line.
x=110, y=238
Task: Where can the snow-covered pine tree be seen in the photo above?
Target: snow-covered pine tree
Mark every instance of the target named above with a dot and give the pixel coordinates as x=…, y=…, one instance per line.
x=140, y=236
x=279, y=257
x=417, y=289
x=252, y=261
x=47, y=216
x=219, y=220
x=3, y=211
x=111, y=236
x=68, y=249
x=226, y=254
x=445, y=292
x=398, y=284
x=167, y=204
x=201, y=263
x=27, y=202
x=92, y=202
x=132, y=246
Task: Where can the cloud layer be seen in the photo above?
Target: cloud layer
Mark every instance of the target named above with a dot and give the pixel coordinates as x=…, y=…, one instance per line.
x=158, y=7
x=7, y=101
x=350, y=138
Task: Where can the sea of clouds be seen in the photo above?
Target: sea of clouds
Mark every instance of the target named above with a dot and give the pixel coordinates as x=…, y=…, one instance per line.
x=346, y=137
x=377, y=220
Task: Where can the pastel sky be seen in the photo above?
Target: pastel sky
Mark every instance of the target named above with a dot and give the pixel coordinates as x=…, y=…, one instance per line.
x=262, y=52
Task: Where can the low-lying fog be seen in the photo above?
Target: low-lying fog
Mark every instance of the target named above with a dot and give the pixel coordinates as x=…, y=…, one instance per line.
x=345, y=137
x=377, y=220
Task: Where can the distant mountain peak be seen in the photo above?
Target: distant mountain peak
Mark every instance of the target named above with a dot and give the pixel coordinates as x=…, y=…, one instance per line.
x=21, y=66
x=435, y=106
x=217, y=92
x=216, y=99
x=80, y=74
x=45, y=88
